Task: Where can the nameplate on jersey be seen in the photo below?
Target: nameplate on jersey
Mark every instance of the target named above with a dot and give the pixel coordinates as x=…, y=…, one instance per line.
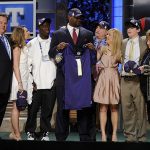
x=79, y=67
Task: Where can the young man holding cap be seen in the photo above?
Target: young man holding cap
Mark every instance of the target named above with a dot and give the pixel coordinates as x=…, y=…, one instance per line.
x=132, y=101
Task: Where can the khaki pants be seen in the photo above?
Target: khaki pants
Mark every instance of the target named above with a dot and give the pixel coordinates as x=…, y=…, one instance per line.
x=133, y=109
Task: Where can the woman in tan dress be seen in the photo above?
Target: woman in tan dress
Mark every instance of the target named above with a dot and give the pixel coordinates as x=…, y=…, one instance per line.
x=107, y=89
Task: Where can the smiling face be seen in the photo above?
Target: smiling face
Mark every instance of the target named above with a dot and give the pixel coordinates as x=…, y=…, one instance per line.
x=26, y=33
x=100, y=33
x=44, y=30
x=132, y=32
x=3, y=24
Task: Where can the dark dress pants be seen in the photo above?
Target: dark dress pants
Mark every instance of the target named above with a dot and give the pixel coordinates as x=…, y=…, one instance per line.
x=3, y=104
x=92, y=122
x=62, y=116
x=84, y=120
x=44, y=100
x=92, y=115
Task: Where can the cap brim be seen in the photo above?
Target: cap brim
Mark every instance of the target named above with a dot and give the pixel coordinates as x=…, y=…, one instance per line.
x=46, y=20
x=130, y=24
x=79, y=15
x=104, y=27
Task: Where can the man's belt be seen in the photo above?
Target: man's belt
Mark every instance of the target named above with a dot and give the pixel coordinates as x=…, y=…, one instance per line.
x=130, y=77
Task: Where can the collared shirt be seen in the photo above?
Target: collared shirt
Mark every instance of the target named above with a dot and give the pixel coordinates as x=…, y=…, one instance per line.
x=136, y=53
x=44, y=72
x=70, y=28
x=98, y=43
x=7, y=45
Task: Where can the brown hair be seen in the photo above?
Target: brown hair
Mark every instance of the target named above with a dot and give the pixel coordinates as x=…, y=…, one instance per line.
x=2, y=14
x=18, y=37
x=148, y=34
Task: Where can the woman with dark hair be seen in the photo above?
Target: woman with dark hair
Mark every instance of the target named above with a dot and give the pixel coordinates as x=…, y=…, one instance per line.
x=20, y=74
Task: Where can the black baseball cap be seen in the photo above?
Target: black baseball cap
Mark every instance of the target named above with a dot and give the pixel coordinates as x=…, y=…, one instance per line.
x=133, y=23
x=75, y=12
x=104, y=25
x=43, y=20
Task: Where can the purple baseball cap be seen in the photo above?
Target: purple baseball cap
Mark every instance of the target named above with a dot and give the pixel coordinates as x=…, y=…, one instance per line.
x=133, y=23
x=43, y=20
x=21, y=101
x=75, y=12
x=132, y=65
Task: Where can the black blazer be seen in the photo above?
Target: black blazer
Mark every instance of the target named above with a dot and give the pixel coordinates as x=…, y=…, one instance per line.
x=62, y=35
x=5, y=69
x=145, y=79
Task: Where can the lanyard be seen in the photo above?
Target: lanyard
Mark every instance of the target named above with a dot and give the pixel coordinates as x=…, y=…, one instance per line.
x=45, y=56
x=40, y=47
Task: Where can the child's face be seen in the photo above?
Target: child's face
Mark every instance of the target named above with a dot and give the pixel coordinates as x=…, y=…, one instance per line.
x=132, y=32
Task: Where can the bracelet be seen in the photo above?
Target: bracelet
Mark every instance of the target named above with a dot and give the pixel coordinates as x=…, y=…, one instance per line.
x=19, y=82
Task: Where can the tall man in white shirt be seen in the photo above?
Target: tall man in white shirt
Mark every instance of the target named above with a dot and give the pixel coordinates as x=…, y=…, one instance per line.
x=44, y=74
x=133, y=105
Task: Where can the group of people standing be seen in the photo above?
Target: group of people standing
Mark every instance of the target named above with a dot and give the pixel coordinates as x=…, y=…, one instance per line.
x=80, y=75
x=28, y=68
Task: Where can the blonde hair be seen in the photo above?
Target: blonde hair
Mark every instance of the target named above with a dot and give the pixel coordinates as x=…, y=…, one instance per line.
x=116, y=43
x=18, y=37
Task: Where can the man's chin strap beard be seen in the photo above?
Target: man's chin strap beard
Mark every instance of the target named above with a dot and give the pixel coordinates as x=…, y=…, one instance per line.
x=44, y=36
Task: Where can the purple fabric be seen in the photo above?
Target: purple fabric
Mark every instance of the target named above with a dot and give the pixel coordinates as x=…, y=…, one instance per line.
x=126, y=67
x=132, y=65
x=77, y=88
x=21, y=101
x=136, y=70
